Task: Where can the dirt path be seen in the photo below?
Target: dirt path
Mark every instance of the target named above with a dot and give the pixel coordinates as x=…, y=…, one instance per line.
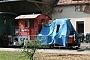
x=84, y=46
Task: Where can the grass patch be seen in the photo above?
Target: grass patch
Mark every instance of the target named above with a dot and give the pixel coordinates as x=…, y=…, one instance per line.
x=7, y=55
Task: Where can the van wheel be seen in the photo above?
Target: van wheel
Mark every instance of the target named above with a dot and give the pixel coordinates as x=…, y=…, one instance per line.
x=68, y=46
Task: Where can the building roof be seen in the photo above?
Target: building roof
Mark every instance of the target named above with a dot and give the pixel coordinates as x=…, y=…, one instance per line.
x=19, y=7
x=67, y=2
x=27, y=16
x=8, y=13
x=25, y=6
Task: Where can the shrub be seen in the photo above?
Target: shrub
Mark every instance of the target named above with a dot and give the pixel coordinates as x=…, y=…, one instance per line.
x=30, y=47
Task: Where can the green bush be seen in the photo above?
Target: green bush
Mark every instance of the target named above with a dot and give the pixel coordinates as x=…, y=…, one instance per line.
x=30, y=47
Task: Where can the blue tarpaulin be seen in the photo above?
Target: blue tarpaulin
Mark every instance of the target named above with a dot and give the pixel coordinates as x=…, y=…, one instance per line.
x=57, y=32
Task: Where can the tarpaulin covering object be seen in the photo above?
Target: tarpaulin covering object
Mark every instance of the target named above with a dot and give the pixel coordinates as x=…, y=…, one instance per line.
x=57, y=32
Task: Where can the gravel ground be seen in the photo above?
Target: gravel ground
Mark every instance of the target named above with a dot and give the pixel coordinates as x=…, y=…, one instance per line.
x=58, y=51
x=44, y=56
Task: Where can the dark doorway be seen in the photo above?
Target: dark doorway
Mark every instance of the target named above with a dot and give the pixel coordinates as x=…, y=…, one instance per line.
x=58, y=26
x=80, y=26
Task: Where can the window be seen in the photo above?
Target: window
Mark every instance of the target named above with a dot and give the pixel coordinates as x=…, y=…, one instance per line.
x=43, y=21
x=26, y=23
x=80, y=26
x=5, y=20
x=31, y=23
